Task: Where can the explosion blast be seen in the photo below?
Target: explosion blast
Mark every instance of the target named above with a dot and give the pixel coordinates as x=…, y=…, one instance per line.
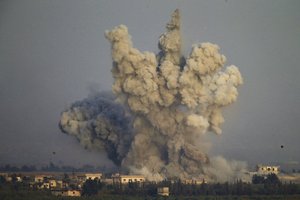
x=169, y=103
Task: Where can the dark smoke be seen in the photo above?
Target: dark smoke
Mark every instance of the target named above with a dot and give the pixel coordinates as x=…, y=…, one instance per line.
x=98, y=121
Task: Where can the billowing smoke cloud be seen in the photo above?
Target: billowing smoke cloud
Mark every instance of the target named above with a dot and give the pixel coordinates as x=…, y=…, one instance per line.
x=99, y=123
x=172, y=102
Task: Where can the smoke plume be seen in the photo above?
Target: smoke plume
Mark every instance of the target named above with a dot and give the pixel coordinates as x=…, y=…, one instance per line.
x=99, y=123
x=169, y=103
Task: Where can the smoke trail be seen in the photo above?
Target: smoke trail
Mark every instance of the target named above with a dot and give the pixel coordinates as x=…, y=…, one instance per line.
x=173, y=102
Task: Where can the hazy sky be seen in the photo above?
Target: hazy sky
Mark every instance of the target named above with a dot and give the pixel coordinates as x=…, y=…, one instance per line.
x=53, y=52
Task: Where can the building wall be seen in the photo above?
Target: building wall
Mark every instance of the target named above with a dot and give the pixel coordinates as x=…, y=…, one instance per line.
x=124, y=179
x=163, y=191
x=194, y=181
x=45, y=186
x=59, y=183
x=52, y=183
x=19, y=179
x=127, y=179
x=38, y=179
x=264, y=169
x=72, y=193
x=93, y=176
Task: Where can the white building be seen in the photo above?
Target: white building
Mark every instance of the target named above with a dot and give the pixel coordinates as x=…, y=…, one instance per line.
x=45, y=185
x=163, y=191
x=6, y=176
x=267, y=169
x=69, y=193
x=52, y=183
x=39, y=178
x=194, y=181
x=93, y=176
x=124, y=179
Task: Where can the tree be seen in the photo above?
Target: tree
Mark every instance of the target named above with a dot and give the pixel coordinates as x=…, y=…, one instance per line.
x=256, y=179
x=272, y=179
x=2, y=180
x=66, y=178
x=91, y=187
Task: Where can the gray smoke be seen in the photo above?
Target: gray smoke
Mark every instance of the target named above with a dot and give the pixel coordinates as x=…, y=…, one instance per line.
x=99, y=123
x=173, y=101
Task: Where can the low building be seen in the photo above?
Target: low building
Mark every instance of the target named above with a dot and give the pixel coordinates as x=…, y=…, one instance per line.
x=93, y=176
x=52, y=183
x=131, y=178
x=14, y=177
x=125, y=179
x=44, y=185
x=81, y=178
x=194, y=181
x=19, y=179
x=65, y=184
x=290, y=178
x=4, y=175
x=59, y=183
x=65, y=193
x=267, y=169
x=71, y=193
x=39, y=178
x=108, y=181
x=7, y=177
x=163, y=191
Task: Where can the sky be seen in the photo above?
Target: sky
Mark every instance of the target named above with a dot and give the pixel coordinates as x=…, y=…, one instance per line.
x=54, y=52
